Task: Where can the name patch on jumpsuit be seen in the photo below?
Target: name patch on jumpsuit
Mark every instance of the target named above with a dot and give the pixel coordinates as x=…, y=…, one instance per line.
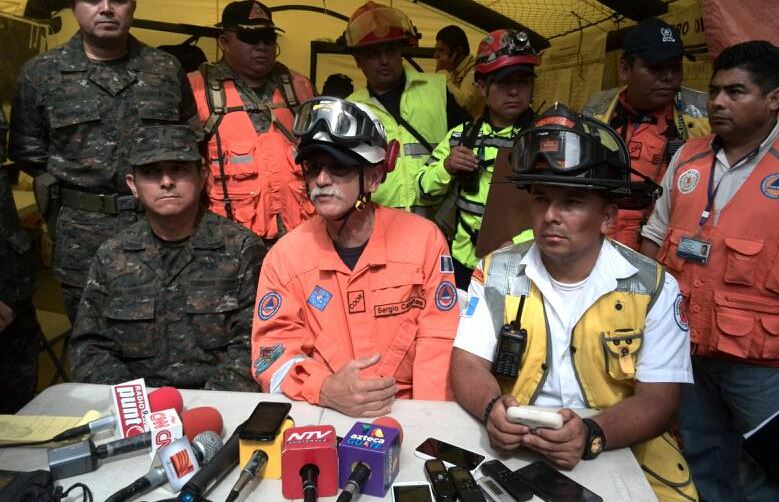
x=415, y=302
x=319, y=298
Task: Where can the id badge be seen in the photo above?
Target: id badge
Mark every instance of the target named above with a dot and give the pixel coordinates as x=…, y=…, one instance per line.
x=694, y=250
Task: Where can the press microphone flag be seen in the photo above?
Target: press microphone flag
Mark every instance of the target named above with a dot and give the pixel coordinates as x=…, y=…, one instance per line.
x=313, y=446
x=374, y=446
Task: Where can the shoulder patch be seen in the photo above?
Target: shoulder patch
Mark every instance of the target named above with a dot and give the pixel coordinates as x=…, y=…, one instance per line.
x=770, y=186
x=445, y=296
x=471, y=308
x=688, y=181
x=319, y=298
x=680, y=313
x=478, y=276
x=267, y=356
x=446, y=264
x=269, y=304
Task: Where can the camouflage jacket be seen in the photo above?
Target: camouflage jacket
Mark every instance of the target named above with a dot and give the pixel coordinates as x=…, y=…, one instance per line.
x=78, y=119
x=186, y=324
x=17, y=260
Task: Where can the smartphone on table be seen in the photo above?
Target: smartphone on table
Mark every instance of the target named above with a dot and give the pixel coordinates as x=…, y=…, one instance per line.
x=412, y=491
x=551, y=485
x=265, y=421
x=449, y=453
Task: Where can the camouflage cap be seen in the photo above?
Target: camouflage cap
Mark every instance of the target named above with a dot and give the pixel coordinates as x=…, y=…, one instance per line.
x=162, y=143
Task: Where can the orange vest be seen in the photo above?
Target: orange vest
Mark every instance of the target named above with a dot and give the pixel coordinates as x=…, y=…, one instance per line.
x=263, y=181
x=647, y=145
x=733, y=299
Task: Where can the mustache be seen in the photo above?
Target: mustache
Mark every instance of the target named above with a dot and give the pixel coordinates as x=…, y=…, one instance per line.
x=328, y=191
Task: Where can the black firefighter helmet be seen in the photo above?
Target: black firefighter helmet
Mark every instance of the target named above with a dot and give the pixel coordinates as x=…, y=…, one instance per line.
x=564, y=148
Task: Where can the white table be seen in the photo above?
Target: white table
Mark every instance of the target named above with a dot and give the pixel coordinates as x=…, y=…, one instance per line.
x=614, y=475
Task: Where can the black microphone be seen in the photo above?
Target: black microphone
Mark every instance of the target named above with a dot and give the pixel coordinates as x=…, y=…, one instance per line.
x=205, y=445
x=212, y=473
x=250, y=471
x=356, y=480
x=80, y=458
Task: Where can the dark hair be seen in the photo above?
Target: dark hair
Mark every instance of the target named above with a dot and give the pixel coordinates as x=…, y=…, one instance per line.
x=629, y=59
x=338, y=85
x=454, y=37
x=757, y=57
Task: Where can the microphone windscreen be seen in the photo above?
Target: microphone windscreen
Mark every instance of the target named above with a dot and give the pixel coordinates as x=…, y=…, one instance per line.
x=388, y=421
x=165, y=398
x=203, y=418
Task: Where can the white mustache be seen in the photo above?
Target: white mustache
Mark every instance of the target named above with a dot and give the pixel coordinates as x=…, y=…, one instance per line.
x=329, y=191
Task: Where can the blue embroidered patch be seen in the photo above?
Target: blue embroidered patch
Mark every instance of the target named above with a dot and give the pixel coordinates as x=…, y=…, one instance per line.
x=445, y=296
x=319, y=298
x=471, y=308
x=268, y=305
x=267, y=356
x=770, y=186
x=680, y=313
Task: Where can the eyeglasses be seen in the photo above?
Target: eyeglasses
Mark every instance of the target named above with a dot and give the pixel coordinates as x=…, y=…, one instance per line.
x=252, y=37
x=312, y=169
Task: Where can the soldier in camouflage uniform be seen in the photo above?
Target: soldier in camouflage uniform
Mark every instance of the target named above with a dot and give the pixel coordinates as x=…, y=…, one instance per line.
x=170, y=299
x=19, y=331
x=76, y=112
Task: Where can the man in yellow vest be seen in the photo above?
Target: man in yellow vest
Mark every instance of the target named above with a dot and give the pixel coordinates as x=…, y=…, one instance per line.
x=715, y=229
x=247, y=103
x=573, y=319
x=653, y=113
x=415, y=108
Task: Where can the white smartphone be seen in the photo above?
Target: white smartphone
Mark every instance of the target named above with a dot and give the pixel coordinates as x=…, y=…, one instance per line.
x=412, y=491
x=534, y=417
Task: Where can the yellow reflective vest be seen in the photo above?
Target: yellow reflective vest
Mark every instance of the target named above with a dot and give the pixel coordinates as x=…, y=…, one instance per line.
x=434, y=183
x=604, y=345
x=423, y=106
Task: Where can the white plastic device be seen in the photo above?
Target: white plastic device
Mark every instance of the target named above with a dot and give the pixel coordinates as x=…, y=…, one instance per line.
x=534, y=417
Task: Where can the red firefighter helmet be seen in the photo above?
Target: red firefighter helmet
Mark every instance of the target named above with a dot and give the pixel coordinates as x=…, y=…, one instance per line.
x=375, y=23
x=503, y=48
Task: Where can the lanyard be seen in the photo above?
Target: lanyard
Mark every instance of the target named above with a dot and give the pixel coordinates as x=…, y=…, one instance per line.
x=711, y=193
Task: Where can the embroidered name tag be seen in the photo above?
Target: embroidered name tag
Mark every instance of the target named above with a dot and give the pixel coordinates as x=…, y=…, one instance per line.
x=389, y=309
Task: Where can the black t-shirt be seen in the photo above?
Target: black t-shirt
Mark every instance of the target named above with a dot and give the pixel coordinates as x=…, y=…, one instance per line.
x=350, y=256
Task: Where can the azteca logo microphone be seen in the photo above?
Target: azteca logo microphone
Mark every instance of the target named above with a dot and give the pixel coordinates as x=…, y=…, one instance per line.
x=132, y=406
x=370, y=437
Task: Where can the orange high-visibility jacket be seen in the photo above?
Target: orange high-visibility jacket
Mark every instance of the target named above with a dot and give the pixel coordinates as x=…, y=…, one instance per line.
x=264, y=183
x=733, y=299
x=314, y=315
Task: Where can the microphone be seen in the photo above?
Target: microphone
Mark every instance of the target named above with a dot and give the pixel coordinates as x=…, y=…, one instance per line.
x=250, y=471
x=367, y=449
x=212, y=473
x=80, y=458
x=309, y=463
x=160, y=399
x=205, y=445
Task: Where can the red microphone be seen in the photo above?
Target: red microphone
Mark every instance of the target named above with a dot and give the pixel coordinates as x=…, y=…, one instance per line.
x=309, y=462
x=165, y=398
x=388, y=421
x=202, y=418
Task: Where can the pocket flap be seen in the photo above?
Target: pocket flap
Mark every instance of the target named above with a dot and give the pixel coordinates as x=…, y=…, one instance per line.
x=64, y=114
x=770, y=323
x=130, y=308
x=397, y=278
x=734, y=324
x=743, y=246
x=623, y=344
x=211, y=300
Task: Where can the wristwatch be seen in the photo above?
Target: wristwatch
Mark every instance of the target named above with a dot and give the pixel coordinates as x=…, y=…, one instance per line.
x=595, y=441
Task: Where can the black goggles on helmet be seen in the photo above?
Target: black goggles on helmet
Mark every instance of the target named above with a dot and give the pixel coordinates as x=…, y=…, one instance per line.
x=253, y=37
x=345, y=122
x=559, y=147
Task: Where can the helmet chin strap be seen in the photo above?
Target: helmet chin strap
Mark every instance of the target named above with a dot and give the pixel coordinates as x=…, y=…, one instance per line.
x=360, y=204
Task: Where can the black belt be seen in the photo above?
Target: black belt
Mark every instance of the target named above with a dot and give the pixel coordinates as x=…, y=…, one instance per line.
x=108, y=203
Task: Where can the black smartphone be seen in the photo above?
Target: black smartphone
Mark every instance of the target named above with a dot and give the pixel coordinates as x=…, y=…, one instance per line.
x=265, y=421
x=551, y=485
x=440, y=482
x=435, y=448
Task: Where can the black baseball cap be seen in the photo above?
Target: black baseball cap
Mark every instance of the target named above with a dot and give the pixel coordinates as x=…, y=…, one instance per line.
x=247, y=15
x=342, y=155
x=655, y=41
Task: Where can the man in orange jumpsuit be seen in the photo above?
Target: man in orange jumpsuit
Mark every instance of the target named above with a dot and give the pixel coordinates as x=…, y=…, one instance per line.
x=357, y=306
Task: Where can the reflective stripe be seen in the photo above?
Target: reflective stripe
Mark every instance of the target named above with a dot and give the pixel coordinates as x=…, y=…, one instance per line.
x=415, y=149
x=241, y=159
x=489, y=141
x=470, y=207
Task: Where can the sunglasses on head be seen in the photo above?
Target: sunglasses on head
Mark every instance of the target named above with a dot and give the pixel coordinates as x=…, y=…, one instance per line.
x=312, y=169
x=252, y=37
